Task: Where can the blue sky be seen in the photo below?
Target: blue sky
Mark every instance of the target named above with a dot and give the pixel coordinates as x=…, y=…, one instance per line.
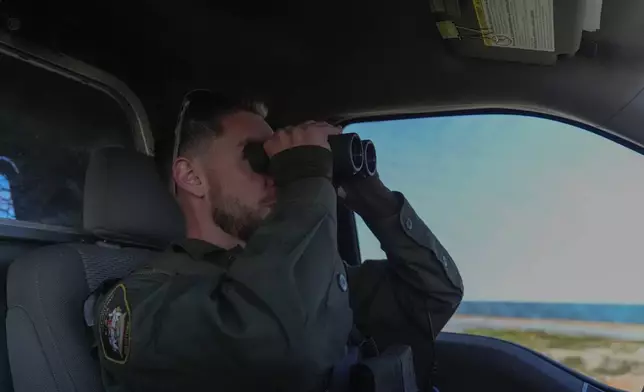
x=530, y=209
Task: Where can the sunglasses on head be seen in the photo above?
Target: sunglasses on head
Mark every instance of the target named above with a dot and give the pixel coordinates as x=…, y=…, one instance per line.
x=203, y=106
x=197, y=105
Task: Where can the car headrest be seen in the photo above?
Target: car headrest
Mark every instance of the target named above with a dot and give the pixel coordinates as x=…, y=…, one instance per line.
x=126, y=201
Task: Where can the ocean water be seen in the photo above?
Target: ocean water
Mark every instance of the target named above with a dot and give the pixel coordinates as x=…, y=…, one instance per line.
x=633, y=314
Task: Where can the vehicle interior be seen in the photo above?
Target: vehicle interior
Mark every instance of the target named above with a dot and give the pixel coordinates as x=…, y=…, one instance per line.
x=338, y=61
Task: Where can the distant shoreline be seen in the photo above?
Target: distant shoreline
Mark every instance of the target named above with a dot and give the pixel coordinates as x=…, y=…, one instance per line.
x=620, y=331
x=594, y=313
x=604, y=324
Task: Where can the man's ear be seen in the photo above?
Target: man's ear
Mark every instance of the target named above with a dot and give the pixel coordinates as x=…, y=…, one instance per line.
x=187, y=176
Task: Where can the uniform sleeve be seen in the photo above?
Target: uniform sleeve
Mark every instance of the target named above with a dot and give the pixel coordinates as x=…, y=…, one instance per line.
x=418, y=278
x=276, y=319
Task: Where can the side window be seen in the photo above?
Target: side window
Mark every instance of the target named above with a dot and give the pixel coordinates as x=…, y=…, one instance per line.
x=6, y=201
x=49, y=125
x=544, y=221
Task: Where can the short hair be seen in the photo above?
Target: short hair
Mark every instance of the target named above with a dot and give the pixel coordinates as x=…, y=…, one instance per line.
x=201, y=114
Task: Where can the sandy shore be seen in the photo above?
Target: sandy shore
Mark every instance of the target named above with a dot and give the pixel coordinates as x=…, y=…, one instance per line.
x=460, y=323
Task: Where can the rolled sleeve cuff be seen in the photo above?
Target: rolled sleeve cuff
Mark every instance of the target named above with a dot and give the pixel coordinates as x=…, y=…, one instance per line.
x=405, y=230
x=301, y=162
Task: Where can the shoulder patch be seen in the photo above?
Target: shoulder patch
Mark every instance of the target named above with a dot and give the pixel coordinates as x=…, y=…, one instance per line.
x=114, y=326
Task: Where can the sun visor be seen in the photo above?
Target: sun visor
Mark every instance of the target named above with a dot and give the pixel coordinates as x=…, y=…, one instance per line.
x=527, y=31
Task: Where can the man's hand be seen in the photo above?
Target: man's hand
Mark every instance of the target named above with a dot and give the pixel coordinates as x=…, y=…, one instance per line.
x=310, y=133
x=369, y=197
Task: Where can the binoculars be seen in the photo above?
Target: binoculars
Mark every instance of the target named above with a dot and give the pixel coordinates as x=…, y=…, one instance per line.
x=351, y=156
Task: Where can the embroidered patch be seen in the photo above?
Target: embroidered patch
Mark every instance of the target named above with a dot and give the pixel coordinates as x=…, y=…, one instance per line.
x=114, y=327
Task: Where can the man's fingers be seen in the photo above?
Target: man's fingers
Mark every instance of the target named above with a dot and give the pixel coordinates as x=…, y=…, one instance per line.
x=322, y=124
x=337, y=128
x=310, y=133
x=331, y=130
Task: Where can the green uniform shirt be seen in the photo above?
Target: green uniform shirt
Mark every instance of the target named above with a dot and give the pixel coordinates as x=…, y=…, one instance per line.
x=275, y=315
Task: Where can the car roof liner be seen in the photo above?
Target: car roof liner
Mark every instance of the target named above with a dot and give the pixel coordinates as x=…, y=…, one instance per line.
x=336, y=59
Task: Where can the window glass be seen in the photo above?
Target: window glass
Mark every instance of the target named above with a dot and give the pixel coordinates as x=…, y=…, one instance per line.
x=6, y=201
x=49, y=125
x=544, y=221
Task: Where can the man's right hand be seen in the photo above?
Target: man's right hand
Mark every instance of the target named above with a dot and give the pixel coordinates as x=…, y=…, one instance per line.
x=310, y=133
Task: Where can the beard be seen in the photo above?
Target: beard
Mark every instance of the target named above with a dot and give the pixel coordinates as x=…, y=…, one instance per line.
x=233, y=217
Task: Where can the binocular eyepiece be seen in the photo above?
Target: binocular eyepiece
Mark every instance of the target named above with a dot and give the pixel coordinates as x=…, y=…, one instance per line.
x=351, y=156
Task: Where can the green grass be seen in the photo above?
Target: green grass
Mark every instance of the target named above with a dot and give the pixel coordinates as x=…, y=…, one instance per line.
x=573, y=362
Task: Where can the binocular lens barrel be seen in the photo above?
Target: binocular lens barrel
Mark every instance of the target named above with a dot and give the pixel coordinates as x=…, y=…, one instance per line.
x=351, y=156
x=348, y=156
x=369, y=164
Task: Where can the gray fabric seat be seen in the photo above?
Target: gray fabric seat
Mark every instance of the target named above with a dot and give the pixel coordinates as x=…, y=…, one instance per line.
x=130, y=211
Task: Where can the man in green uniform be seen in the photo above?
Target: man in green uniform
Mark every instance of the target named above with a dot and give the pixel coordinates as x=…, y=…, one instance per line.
x=256, y=297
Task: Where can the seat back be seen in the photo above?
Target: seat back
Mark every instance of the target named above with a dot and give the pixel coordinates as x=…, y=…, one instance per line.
x=47, y=339
x=49, y=344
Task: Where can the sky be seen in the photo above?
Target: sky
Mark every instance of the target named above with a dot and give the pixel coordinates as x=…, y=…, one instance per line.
x=529, y=208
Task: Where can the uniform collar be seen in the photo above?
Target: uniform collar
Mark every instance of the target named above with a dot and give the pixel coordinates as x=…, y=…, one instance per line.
x=195, y=248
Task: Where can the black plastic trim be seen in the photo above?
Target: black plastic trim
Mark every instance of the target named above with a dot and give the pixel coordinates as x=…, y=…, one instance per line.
x=348, y=244
x=21, y=230
x=491, y=110
x=530, y=357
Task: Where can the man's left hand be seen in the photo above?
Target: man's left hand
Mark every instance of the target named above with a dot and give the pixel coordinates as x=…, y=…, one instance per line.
x=369, y=197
